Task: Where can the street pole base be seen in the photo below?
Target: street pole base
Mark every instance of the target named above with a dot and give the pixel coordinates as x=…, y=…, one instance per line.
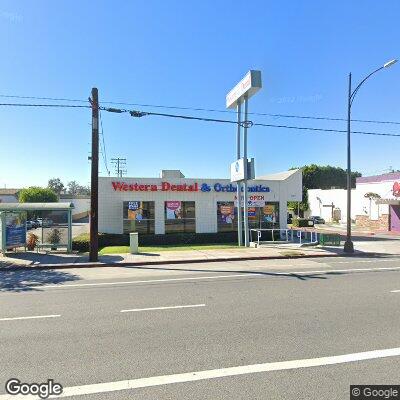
x=348, y=247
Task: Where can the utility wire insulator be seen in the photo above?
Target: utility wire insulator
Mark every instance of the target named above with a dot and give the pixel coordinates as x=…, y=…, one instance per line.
x=113, y=110
x=246, y=124
x=137, y=114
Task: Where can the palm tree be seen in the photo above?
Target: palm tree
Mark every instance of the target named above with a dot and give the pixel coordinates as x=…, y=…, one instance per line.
x=371, y=196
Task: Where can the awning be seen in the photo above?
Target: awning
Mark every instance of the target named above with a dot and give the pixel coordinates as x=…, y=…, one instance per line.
x=392, y=202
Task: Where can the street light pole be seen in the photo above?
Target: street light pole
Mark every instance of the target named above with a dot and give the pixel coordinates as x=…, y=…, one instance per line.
x=348, y=245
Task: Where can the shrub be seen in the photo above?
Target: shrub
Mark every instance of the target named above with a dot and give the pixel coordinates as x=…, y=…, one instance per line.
x=81, y=243
x=301, y=223
x=35, y=194
x=32, y=241
x=54, y=236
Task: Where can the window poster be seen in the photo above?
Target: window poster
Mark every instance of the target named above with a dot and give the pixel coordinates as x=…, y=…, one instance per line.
x=173, y=209
x=227, y=214
x=252, y=212
x=135, y=210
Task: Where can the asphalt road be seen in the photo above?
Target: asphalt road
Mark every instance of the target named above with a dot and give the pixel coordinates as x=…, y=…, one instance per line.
x=225, y=315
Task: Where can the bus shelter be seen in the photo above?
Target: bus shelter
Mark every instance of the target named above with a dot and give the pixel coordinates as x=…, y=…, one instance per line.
x=50, y=222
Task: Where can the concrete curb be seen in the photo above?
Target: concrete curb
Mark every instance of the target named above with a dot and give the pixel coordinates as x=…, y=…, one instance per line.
x=165, y=262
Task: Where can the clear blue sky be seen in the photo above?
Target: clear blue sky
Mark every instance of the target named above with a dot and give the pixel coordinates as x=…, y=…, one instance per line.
x=190, y=54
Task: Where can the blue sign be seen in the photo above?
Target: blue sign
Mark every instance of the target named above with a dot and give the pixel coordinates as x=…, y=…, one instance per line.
x=133, y=205
x=229, y=188
x=15, y=230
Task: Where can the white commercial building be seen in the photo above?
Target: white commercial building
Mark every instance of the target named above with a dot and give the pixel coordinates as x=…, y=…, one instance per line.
x=375, y=202
x=175, y=204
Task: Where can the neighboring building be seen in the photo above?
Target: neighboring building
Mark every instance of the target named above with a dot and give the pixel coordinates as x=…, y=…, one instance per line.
x=9, y=195
x=173, y=203
x=81, y=205
x=378, y=212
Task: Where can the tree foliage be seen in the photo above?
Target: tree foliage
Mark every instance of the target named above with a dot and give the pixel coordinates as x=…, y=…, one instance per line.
x=322, y=177
x=74, y=188
x=56, y=185
x=36, y=194
x=326, y=177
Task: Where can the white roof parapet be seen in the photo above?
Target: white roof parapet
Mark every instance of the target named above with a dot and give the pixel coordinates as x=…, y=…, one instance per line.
x=35, y=206
x=279, y=176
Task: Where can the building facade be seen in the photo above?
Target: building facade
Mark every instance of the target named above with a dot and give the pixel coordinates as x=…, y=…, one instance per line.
x=375, y=202
x=172, y=203
x=9, y=195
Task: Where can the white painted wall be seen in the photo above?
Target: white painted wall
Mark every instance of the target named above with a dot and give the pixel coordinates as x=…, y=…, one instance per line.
x=359, y=204
x=111, y=201
x=6, y=198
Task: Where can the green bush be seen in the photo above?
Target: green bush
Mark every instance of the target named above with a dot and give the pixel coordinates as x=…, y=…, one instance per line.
x=302, y=223
x=81, y=243
x=35, y=194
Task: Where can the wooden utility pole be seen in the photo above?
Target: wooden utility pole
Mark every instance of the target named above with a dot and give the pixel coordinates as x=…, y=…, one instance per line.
x=94, y=193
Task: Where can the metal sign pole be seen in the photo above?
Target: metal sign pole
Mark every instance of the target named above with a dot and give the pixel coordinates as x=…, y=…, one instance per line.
x=238, y=184
x=245, y=200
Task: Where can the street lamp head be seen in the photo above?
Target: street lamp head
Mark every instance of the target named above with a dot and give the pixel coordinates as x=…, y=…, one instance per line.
x=390, y=63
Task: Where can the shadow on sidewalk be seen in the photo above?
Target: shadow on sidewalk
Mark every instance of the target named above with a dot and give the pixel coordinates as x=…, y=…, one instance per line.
x=32, y=280
x=301, y=277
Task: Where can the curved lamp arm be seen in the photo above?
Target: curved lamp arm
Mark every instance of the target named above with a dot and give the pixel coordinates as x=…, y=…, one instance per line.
x=386, y=65
x=360, y=84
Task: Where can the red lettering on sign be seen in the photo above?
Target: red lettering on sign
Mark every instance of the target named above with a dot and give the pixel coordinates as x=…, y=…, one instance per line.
x=116, y=185
x=165, y=186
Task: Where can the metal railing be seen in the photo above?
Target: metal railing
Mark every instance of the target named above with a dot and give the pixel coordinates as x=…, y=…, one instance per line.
x=288, y=233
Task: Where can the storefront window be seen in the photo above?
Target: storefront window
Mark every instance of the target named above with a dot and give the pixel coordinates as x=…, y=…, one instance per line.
x=138, y=216
x=264, y=217
x=269, y=215
x=226, y=216
x=180, y=216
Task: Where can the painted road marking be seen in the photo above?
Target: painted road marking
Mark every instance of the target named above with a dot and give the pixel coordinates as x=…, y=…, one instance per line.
x=32, y=317
x=248, y=274
x=163, y=308
x=217, y=373
x=395, y=291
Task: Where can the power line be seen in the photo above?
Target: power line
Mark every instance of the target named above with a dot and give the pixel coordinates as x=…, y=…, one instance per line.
x=44, y=105
x=322, y=118
x=136, y=113
x=104, y=153
x=250, y=124
x=326, y=130
x=118, y=164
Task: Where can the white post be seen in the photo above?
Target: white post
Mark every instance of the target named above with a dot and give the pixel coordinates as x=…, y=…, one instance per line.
x=238, y=184
x=245, y=208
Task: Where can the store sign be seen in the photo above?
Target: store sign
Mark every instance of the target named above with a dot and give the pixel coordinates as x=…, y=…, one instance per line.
x=238, y=169
x=15, y=229
x=192, y=187
x=253, y=201
x=219, y=187
x=174, y=209
x=248, y=86
x=396, y=189
x=164, y=187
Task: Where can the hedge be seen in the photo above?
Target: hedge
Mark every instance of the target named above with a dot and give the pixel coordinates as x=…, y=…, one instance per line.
x=302, y=223
x=81, y=242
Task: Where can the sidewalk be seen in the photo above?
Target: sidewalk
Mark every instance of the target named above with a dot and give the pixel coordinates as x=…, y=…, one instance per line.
x=63, y=260
x=367, y=246
x=356, y=231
